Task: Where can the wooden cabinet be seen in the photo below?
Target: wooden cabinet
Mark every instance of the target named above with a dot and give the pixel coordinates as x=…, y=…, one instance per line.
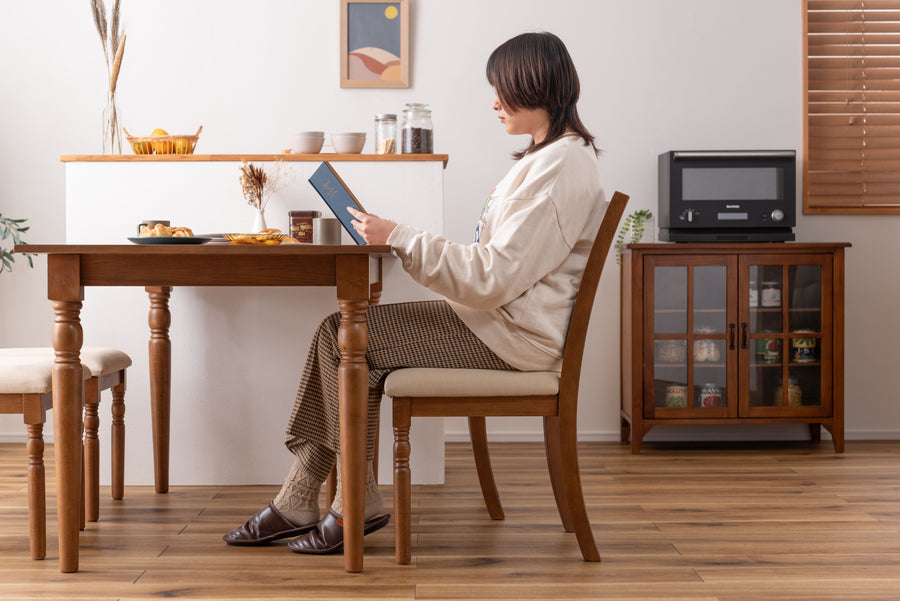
x=727, y=333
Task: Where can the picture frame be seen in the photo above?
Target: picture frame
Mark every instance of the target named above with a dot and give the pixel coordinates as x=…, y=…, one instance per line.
x=374, y=44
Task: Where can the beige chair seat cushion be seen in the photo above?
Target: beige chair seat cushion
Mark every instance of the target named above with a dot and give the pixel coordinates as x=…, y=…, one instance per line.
x=100, y=360
x=435, y=382
x=28, y=373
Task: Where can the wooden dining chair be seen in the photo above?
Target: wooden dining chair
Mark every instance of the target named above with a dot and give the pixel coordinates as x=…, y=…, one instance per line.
x=477, y=393
x=26, y=388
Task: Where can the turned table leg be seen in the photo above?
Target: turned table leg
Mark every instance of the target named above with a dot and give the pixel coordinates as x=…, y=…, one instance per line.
x=66, y=294
x=160, y=348
x=353, y=392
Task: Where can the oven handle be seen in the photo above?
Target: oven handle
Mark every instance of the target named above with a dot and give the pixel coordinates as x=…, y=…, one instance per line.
x=727, y=154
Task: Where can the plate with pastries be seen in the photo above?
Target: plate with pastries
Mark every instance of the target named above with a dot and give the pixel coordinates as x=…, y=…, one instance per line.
x=163, y=234
x=268, y=237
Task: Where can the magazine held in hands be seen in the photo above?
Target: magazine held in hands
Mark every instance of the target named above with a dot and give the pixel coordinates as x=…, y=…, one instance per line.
x=337, y=196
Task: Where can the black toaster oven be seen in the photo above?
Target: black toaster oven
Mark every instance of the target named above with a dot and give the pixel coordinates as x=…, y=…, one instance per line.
x=727, y=195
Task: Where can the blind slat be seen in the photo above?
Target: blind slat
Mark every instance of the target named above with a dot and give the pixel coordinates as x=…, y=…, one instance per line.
x=852, y=123
x=850, y=5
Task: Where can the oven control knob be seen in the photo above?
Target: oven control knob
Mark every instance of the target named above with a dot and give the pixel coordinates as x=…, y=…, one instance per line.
x=690, y=215
x=777, y=215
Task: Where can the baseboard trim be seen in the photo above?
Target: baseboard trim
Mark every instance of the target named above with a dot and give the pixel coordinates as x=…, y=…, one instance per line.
x=608, y=436
x=673, y=434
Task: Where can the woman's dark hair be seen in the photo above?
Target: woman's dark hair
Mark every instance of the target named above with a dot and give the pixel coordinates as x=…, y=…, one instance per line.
x=535, y=71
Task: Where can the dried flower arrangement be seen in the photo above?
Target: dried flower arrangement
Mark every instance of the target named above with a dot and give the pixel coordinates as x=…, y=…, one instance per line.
x=258, y=185
x=113, y=41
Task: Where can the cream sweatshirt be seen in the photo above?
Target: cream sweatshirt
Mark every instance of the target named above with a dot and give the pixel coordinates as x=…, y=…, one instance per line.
x=515, y=285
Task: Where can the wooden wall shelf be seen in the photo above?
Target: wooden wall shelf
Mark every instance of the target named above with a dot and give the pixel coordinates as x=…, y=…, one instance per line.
x=175, y=158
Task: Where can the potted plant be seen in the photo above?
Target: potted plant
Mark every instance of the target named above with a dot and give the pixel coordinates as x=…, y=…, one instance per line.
x=11, y=229
x=635, y=224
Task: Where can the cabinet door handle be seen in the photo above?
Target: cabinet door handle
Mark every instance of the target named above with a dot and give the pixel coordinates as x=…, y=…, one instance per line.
x=743, y=334
x=731, y=337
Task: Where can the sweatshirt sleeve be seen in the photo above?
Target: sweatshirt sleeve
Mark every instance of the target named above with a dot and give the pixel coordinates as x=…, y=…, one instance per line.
x=527, y=244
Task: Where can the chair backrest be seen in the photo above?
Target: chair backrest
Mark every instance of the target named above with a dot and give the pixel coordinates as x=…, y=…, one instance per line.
x=584, y=303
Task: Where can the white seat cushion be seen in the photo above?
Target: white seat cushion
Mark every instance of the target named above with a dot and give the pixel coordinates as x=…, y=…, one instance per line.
x=28, y=373
x=426, y=381
x=100, y=360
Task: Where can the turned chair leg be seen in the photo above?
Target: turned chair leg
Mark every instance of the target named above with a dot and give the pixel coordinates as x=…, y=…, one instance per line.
x=402, y=493
x=117, y=439
x=91, y=472
x=37, y=494
x=478, y=435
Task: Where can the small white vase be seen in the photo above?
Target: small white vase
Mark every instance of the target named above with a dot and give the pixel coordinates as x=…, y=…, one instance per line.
x=259, y=222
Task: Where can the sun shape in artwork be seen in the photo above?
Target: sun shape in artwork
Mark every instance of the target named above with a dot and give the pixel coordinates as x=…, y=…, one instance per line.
x=391, y=12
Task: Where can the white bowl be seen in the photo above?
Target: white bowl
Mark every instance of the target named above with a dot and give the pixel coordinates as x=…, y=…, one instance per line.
x=348, y=143
x=307, y=142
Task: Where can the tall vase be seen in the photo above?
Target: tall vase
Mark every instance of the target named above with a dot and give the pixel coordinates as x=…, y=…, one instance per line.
x=259, y=222
x=112, y=126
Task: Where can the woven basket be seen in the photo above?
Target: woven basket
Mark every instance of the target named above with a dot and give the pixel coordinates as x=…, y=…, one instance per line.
x=163, y=144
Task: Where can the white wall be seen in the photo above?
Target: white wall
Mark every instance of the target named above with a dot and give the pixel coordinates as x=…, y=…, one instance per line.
x=656, y=75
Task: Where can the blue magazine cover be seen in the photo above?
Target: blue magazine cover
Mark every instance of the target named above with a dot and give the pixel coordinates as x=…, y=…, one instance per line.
x=337, y=196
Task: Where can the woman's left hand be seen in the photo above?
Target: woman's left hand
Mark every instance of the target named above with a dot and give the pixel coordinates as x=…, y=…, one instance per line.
x=372, y=228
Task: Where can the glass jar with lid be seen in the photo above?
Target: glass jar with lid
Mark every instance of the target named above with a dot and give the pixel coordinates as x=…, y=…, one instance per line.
x=385, y=133
x=417, y=130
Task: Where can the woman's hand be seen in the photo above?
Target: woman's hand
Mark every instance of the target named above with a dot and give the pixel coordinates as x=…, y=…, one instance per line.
x=372, y=228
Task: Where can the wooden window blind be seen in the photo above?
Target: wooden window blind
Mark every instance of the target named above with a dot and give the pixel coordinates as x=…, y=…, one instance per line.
x=852, y=98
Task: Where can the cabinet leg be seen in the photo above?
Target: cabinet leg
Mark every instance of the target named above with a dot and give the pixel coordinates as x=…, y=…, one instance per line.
x=625, y=432
x=815, y=432
x=637, y=437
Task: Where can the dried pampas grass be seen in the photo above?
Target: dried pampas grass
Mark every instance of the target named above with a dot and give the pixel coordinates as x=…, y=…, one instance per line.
x=111, y=38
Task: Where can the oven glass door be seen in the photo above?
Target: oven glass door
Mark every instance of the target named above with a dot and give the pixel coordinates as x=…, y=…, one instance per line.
x=732, y=184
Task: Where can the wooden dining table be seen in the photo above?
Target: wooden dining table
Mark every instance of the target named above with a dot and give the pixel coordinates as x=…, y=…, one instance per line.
x=355, y=272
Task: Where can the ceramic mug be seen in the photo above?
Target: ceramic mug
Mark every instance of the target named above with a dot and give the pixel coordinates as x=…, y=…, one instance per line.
x=151, y=223
x=326, y=230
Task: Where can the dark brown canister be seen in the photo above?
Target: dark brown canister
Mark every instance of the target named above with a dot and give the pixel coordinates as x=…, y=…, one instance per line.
x=302, y=225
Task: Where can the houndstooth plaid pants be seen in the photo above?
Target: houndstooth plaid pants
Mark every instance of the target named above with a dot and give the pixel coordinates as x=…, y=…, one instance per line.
x=414, y=334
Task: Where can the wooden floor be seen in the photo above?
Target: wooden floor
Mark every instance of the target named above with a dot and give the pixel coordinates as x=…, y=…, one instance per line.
x=755, y=522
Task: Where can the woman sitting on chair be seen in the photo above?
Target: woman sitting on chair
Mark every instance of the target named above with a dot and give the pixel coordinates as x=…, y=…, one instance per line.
x=509, y=294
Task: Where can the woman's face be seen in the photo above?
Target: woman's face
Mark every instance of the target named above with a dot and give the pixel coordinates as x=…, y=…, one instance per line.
x=535, y=122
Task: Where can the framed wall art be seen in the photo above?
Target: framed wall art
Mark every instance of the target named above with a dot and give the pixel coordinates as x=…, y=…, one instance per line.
x=374, y=44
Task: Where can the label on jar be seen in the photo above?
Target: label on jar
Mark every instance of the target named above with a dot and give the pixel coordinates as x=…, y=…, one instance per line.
x=770, y=295
x=768, y=350
x=711, y=396
x=676, y=395
x=803, y=350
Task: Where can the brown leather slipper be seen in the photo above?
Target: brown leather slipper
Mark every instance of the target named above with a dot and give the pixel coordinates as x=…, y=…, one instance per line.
x=267, y=525
x=328, y=537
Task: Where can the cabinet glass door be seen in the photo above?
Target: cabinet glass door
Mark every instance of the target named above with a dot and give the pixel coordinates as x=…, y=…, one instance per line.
x=782, y=337
x=692, y=332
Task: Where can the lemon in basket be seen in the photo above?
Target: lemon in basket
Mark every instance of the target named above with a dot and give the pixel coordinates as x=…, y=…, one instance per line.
x=160, y=147
x=142, y=148
x=182, y=146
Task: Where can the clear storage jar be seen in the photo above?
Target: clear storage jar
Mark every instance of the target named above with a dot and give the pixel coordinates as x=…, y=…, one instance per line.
x=417, y=131
x=385, y=133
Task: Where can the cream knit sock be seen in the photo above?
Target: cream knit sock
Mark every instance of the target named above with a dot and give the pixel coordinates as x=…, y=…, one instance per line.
x=298, y=499
x=374, y=499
